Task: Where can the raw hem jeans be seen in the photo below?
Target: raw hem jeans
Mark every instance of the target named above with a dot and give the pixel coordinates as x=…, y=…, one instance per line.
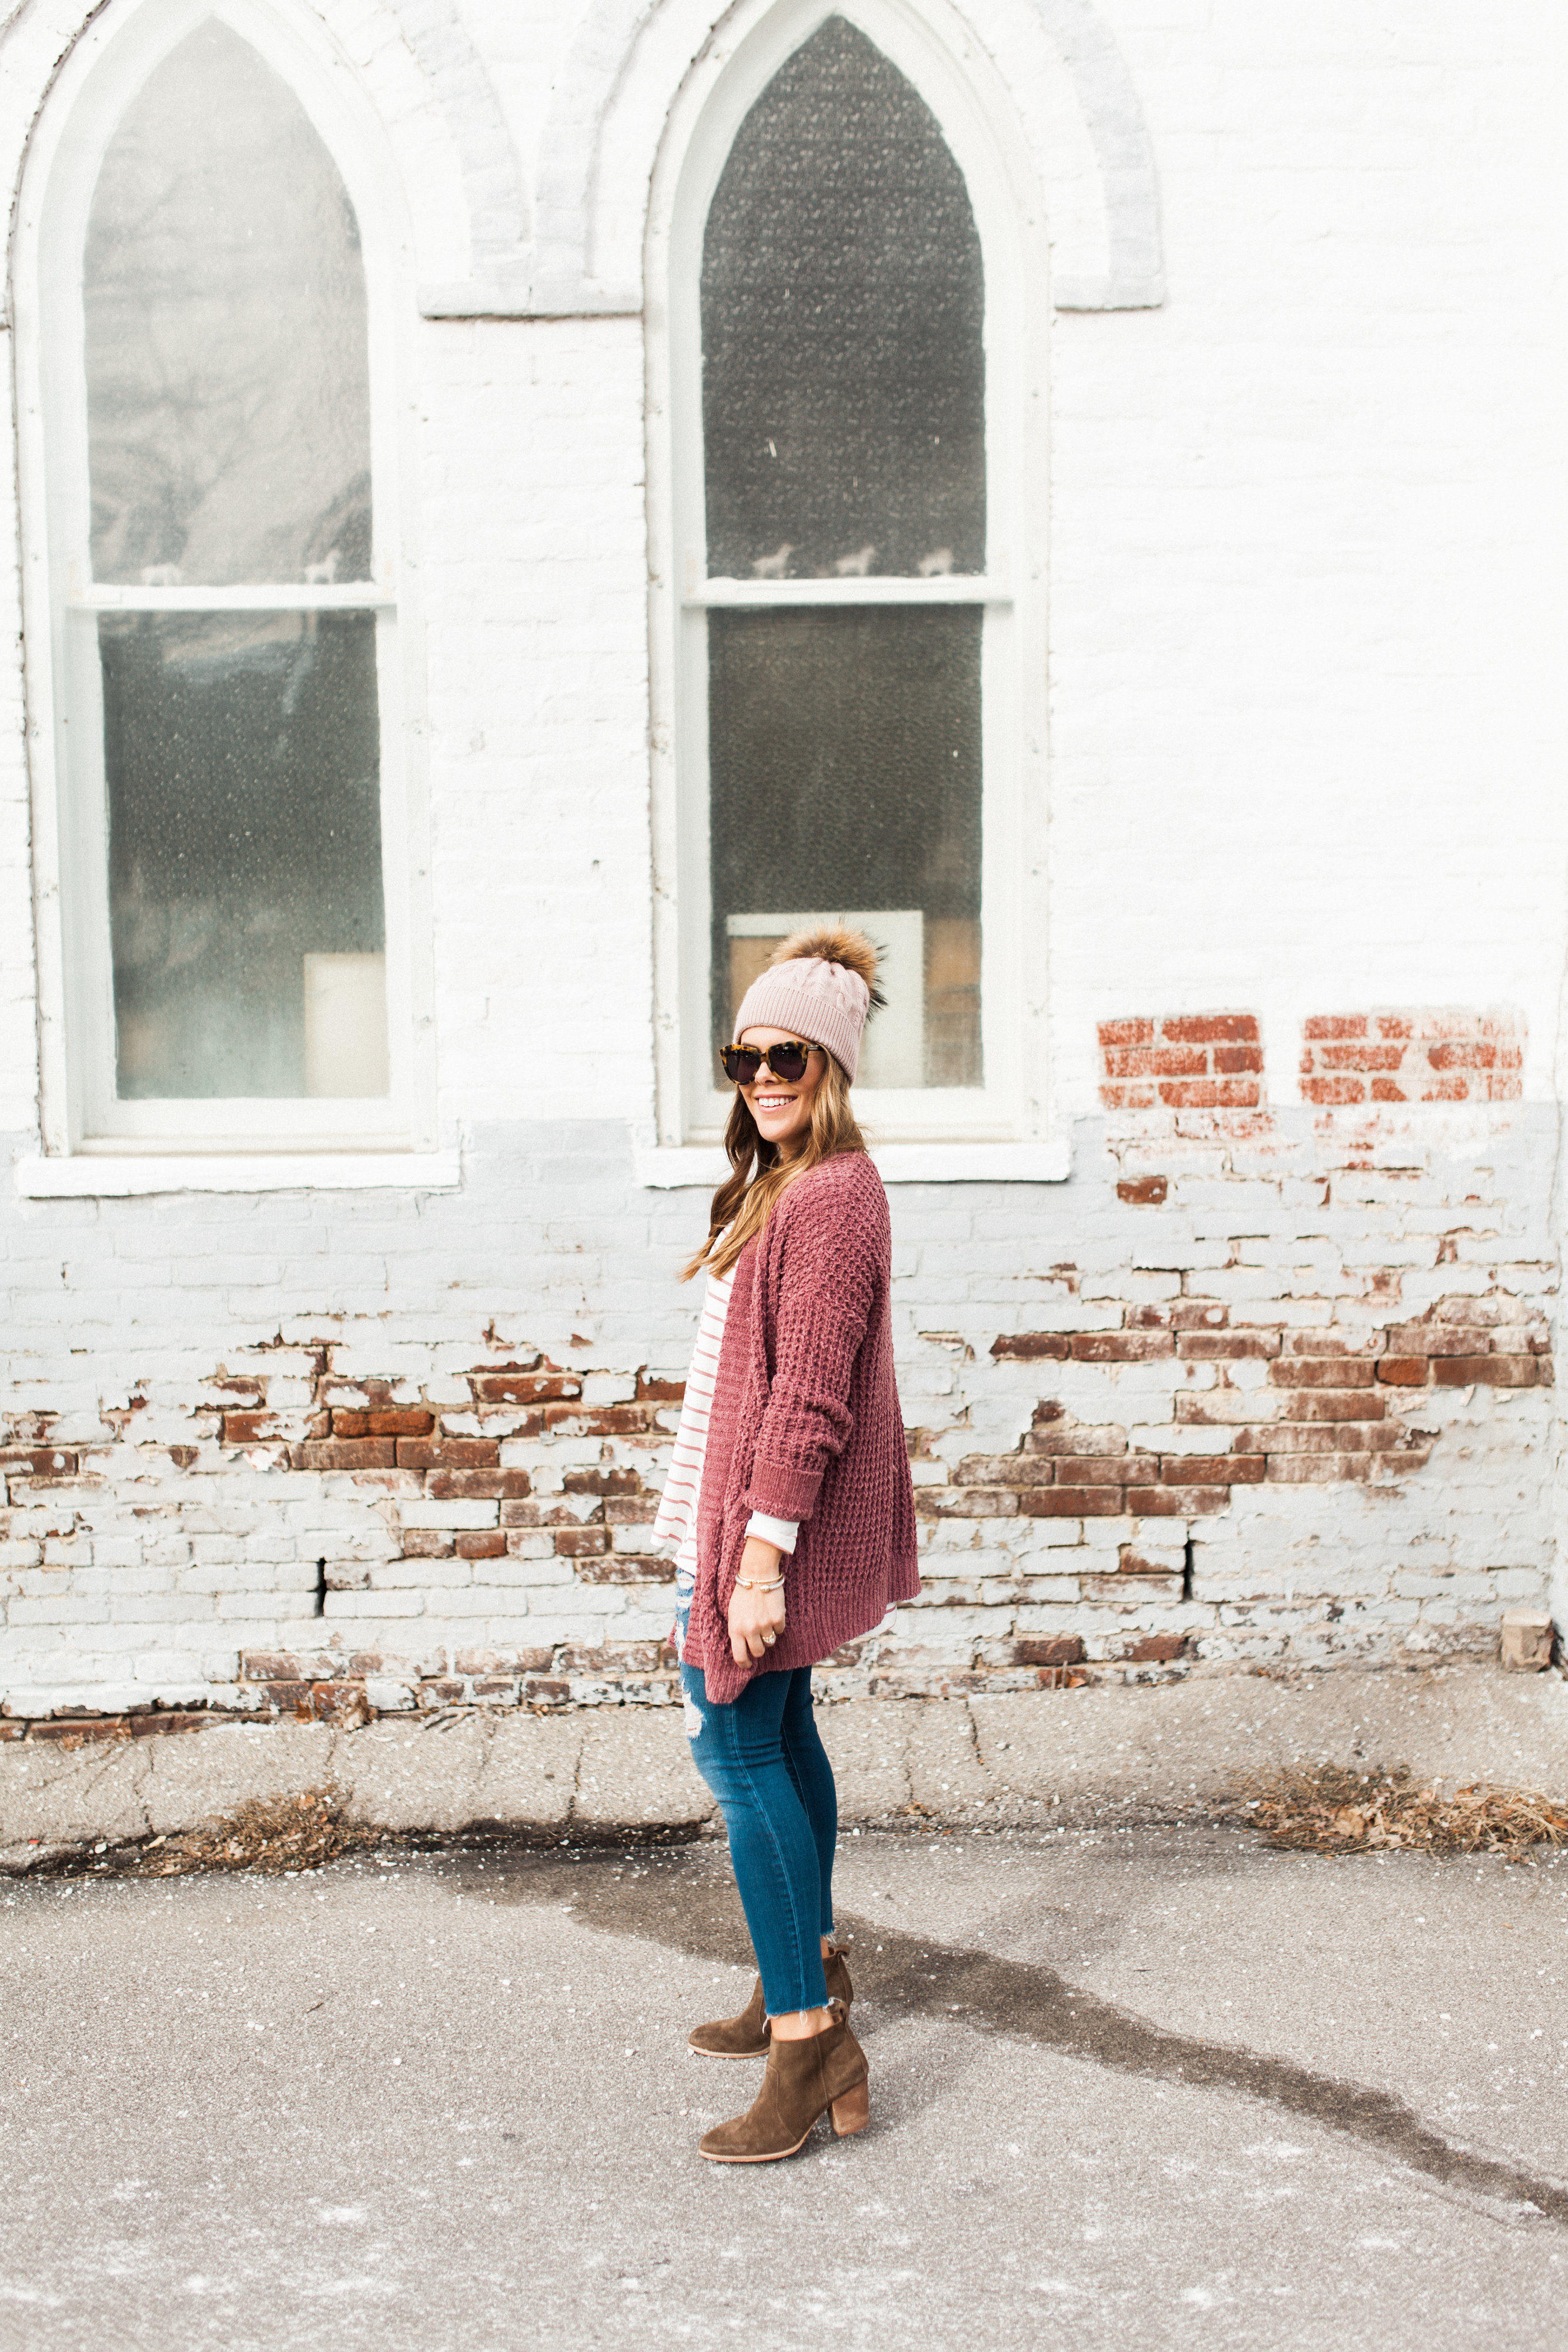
x=763, y=1760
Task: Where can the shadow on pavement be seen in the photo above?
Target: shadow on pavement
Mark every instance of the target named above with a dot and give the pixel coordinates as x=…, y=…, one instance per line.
x=664, y=1899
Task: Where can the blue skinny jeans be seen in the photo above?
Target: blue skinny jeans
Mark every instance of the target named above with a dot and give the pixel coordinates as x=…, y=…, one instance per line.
x=763, y=1760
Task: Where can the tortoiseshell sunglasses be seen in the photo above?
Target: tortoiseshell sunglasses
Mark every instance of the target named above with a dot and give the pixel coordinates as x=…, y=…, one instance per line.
x=787, y=1061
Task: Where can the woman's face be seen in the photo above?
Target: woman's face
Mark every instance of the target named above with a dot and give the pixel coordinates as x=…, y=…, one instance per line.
x=783, y=1113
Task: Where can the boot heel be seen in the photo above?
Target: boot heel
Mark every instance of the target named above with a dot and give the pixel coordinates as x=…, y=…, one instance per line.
x=853, y=2112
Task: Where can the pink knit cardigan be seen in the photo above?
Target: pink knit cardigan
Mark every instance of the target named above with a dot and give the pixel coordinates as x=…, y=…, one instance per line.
x=806, y=1425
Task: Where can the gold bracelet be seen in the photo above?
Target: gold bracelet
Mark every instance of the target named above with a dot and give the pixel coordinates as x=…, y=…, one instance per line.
x=750, y=1585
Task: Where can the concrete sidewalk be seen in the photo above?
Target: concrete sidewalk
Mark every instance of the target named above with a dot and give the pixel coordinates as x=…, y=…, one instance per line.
x=1102, y=1752
x=1130, y=2087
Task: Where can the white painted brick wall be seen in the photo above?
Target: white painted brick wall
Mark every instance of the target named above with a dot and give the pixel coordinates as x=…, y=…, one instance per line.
x=1308, y=731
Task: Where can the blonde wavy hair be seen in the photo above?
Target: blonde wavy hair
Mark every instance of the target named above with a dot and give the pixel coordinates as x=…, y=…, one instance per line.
x=758, y=1177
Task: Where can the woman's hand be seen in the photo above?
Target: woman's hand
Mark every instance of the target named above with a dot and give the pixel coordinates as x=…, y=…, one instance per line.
x=753, y=1616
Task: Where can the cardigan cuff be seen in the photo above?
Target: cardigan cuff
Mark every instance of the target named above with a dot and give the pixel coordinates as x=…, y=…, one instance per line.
x=782, y=1492
x=780, y=1533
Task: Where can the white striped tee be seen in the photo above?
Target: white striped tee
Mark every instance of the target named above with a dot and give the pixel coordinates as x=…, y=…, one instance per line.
x=677, y=1518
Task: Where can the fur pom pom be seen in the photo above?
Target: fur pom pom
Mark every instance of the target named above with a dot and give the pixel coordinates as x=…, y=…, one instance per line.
x=835, y=943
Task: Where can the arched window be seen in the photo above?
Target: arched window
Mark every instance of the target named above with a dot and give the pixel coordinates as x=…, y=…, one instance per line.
x=847, y=535
x=222, y=601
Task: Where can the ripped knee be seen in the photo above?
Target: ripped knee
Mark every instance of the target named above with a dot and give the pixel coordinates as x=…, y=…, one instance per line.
x=696, y=1721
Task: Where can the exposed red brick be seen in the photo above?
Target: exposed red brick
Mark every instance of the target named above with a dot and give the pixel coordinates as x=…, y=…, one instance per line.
x=1212, y=1469
x=1071, y=1441
x=1158, y=1061
x=546, y=1514
x=1423, y=1057
x=1120, y=1346
x=1223, y=1347
x=1197, y=1315
x=1210, y=1094
x=964, y=1501
x=1493, y=1371
x=1154, y=1649
x=447, y=1453
x=1072, y=1502
x=628, y=1567
x=1212, y=1029
x=1322, y=1373
x=426, y=1543
x=1029, y=1347
x=652, y=1391
x=239, y=1429
x=1002, y=1470
x=580, y=1543
x=1108, y=1469
x=1403, y=1371
x=602, y=1482
x=269, y=1666
x=1205, y=1061
x=1334, y=1404
x=607, y=1421
x=52, y=1460
x=477, y=1485
x=346, y=1453
x=407, y=1421
x=479, y=1543
x=1361, y=1057
x=1142, y=1193
x=1051, y=1650
x=630, y=1510
x=76, y=1730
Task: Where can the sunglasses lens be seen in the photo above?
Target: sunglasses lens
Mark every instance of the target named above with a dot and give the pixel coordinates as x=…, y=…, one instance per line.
x=787, y=1062
x=741, y=1063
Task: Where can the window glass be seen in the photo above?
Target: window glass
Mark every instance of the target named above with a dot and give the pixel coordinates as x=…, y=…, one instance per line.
x=844, y=749
x=225, y=336
x=842, y=299
x=241, y=759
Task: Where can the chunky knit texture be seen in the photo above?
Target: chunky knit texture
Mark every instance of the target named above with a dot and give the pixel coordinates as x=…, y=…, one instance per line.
x=806, y=1425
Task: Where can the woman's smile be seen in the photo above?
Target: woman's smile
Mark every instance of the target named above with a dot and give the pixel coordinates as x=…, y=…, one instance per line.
x=782, y=1112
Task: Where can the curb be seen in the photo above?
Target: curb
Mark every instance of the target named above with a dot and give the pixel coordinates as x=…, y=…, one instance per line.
x=1024, y=1759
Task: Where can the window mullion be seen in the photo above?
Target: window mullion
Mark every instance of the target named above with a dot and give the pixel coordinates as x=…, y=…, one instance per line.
x=285, y=596
x=885, y=589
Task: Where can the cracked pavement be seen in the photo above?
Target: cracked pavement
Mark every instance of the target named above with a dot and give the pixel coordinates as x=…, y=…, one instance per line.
x=1139, y=2085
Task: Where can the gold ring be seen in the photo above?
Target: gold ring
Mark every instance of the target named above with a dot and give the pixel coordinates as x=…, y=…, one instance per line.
x=770, y=1639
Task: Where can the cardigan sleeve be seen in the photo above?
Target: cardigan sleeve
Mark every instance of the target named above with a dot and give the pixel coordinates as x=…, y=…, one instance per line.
x=832, y=1252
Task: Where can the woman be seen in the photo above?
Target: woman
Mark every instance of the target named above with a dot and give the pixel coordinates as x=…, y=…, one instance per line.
x=789, y=1500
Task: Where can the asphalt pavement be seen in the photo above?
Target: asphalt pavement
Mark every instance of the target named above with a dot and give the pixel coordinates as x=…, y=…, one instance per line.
x=1136, y=2087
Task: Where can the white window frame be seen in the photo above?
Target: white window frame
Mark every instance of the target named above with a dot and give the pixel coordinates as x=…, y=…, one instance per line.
x=930, y=47
x=79, y=1111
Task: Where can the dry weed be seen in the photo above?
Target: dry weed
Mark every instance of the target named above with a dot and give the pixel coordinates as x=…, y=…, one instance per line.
x=287, y=1833
x=1334, y=1811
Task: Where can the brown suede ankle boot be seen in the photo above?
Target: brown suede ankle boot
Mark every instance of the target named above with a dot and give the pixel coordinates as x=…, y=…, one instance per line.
x=747, y=2036
x=826, y=2073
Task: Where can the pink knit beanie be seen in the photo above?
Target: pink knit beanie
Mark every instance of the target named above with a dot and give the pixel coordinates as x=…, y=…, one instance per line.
x=821, y=984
